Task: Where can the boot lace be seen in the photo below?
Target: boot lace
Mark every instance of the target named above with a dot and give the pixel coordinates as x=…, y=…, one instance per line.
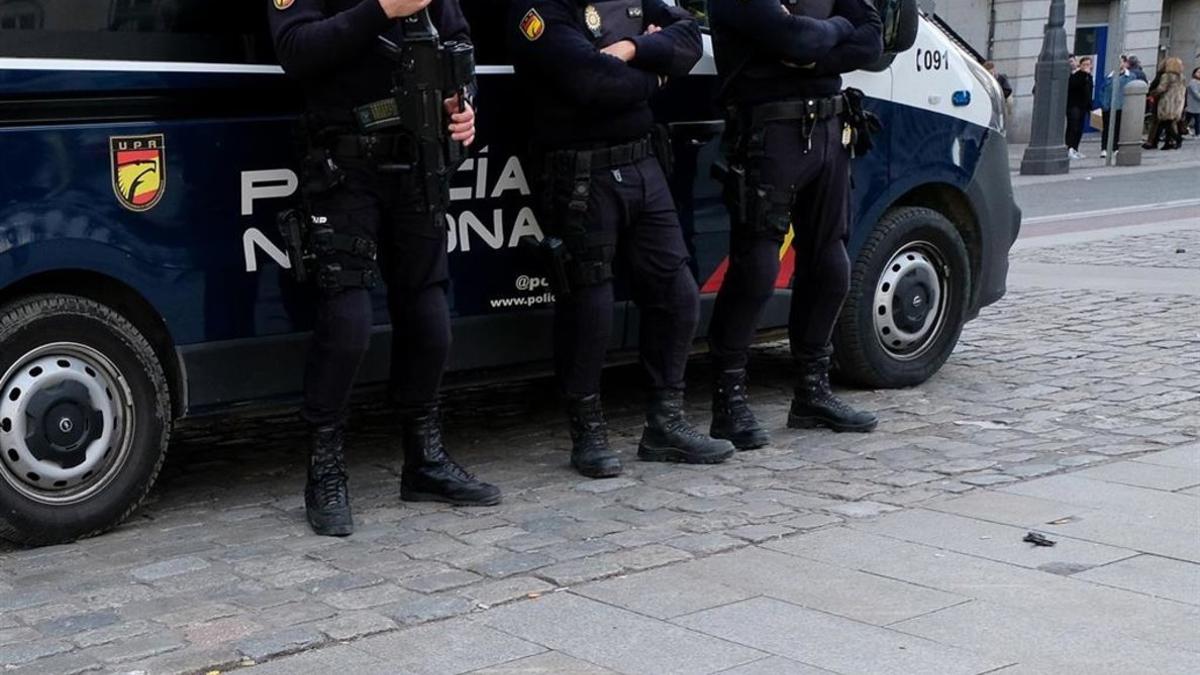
x=437, y=455
x=331, y=482
x=737, y=406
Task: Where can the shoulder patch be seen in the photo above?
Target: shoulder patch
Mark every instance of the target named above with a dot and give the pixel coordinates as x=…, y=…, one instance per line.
x=283, y=4
x=532, y=25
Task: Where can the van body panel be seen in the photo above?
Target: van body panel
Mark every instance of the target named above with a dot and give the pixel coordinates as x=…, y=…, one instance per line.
x=207, y=258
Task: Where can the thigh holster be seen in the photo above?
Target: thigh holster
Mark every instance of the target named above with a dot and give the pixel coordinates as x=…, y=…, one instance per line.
x=343, y=260
x=755, y=208
x=566, y=195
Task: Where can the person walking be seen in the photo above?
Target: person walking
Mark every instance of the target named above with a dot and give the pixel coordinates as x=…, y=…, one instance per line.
x=1193, y=102
x=371, y=223
x=1079, y=104
x=1171, y=95
x=588, y=72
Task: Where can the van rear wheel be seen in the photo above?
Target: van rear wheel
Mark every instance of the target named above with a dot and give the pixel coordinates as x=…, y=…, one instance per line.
x=84, y=419
x=908, y=298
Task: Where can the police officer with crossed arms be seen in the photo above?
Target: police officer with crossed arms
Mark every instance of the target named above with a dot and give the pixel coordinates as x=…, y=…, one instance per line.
x=372, y=217
x=589, y=70
x=790, y=134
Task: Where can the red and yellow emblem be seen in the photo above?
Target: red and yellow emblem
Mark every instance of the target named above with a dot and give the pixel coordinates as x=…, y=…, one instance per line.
x=139, y=170
x=283, y=4
x=532, y=25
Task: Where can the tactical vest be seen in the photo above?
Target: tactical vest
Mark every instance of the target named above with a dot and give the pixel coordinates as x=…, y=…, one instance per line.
x=610, y=21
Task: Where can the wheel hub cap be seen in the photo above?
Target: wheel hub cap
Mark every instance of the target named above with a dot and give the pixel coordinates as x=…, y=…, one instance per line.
x=65, y=423
x=910, y=301
x=61, y=423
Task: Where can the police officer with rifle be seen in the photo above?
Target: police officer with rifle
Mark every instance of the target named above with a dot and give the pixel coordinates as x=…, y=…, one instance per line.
x=589, y=69
x=790, y=135
x=387, y=86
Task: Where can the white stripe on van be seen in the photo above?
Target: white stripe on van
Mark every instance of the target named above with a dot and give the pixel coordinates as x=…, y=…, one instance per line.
x=112, y=66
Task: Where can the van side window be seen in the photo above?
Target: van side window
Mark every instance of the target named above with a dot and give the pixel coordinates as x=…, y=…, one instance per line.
x=205, y=31
x=698, y=8
x=489, y=30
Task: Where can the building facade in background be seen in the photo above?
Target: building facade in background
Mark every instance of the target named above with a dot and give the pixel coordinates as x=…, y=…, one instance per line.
x=1009, y=32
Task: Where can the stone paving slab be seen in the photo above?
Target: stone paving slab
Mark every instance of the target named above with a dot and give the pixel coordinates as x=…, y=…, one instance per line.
x=664, y=593
x=546, y=663
x=1157, y=508
x=994, y=542
x=1048, y=594
x=832, y=642
x=856, y=595
x=616, y=638
x=1004, y=632
x=1145, y=475
x=1176, y=580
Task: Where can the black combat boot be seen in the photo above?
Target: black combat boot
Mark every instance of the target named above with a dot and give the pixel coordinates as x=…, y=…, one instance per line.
x=326, y=495
x=732, y=418
x=590, y=453
x=669, y=438
x=815, y=405
x=429, y=475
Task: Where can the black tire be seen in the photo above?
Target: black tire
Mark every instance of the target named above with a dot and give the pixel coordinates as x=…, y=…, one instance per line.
x=929, y=242
x=79, y=336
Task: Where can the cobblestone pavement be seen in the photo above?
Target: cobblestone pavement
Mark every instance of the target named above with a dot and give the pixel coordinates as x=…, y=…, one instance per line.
x=770, y=562
x=1177, y=249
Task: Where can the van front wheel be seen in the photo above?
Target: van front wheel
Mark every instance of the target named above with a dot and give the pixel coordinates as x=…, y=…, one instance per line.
x=84, y=419
x=909, y=291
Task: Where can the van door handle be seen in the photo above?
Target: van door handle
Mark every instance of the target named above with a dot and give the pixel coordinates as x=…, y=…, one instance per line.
x=697, y=134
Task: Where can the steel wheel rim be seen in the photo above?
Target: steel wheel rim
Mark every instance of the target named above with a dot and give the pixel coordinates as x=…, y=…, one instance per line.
x=95, y=389
x=911, y=300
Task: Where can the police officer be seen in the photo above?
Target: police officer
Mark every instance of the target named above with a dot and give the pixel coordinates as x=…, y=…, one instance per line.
x=589, y=69
x=789, y=138
x=364, y=209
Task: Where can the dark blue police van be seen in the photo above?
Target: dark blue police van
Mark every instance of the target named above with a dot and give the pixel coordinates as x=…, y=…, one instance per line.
x=146, y=146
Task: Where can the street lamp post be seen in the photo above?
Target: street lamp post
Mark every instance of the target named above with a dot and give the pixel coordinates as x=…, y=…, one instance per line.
x=1047, y=153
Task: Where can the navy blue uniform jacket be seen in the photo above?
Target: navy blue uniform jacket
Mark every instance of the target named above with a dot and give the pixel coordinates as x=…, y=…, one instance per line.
x=773, y=55
x=575, y=93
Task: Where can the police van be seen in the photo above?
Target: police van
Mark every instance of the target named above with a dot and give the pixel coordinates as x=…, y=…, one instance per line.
x=146, y=147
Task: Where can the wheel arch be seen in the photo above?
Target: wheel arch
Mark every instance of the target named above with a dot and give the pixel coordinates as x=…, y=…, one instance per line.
x=952, y=203
x=125, y=300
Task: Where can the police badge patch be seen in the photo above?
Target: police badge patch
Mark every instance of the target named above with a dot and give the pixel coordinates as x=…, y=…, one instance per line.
x=591, y=17
x=532, y=25
x=283, y=4
x=139, y=170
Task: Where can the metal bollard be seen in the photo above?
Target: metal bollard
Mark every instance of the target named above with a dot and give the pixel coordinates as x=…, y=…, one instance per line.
x=1133, y=122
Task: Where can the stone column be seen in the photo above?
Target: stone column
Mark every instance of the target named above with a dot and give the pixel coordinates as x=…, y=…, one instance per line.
x=1133, y=123
x=1046, y=154
x=1018, y=35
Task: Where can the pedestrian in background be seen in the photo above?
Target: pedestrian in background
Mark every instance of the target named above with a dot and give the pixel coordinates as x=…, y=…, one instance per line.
x=1079, y=104
x=1156, y=129
x=1005, y=87
x=1111, y=110
x=1170, y=94
x=1135, y=68
x=1193, y=102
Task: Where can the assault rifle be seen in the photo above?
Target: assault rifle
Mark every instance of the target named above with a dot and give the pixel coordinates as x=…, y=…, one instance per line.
x=428, y=71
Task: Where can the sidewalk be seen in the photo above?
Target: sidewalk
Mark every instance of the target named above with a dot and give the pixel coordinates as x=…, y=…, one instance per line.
x=946, y=588
x=1093, y=164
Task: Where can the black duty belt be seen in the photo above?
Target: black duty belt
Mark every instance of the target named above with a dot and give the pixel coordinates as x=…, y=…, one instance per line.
x=607, y=157
x=811, y=109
